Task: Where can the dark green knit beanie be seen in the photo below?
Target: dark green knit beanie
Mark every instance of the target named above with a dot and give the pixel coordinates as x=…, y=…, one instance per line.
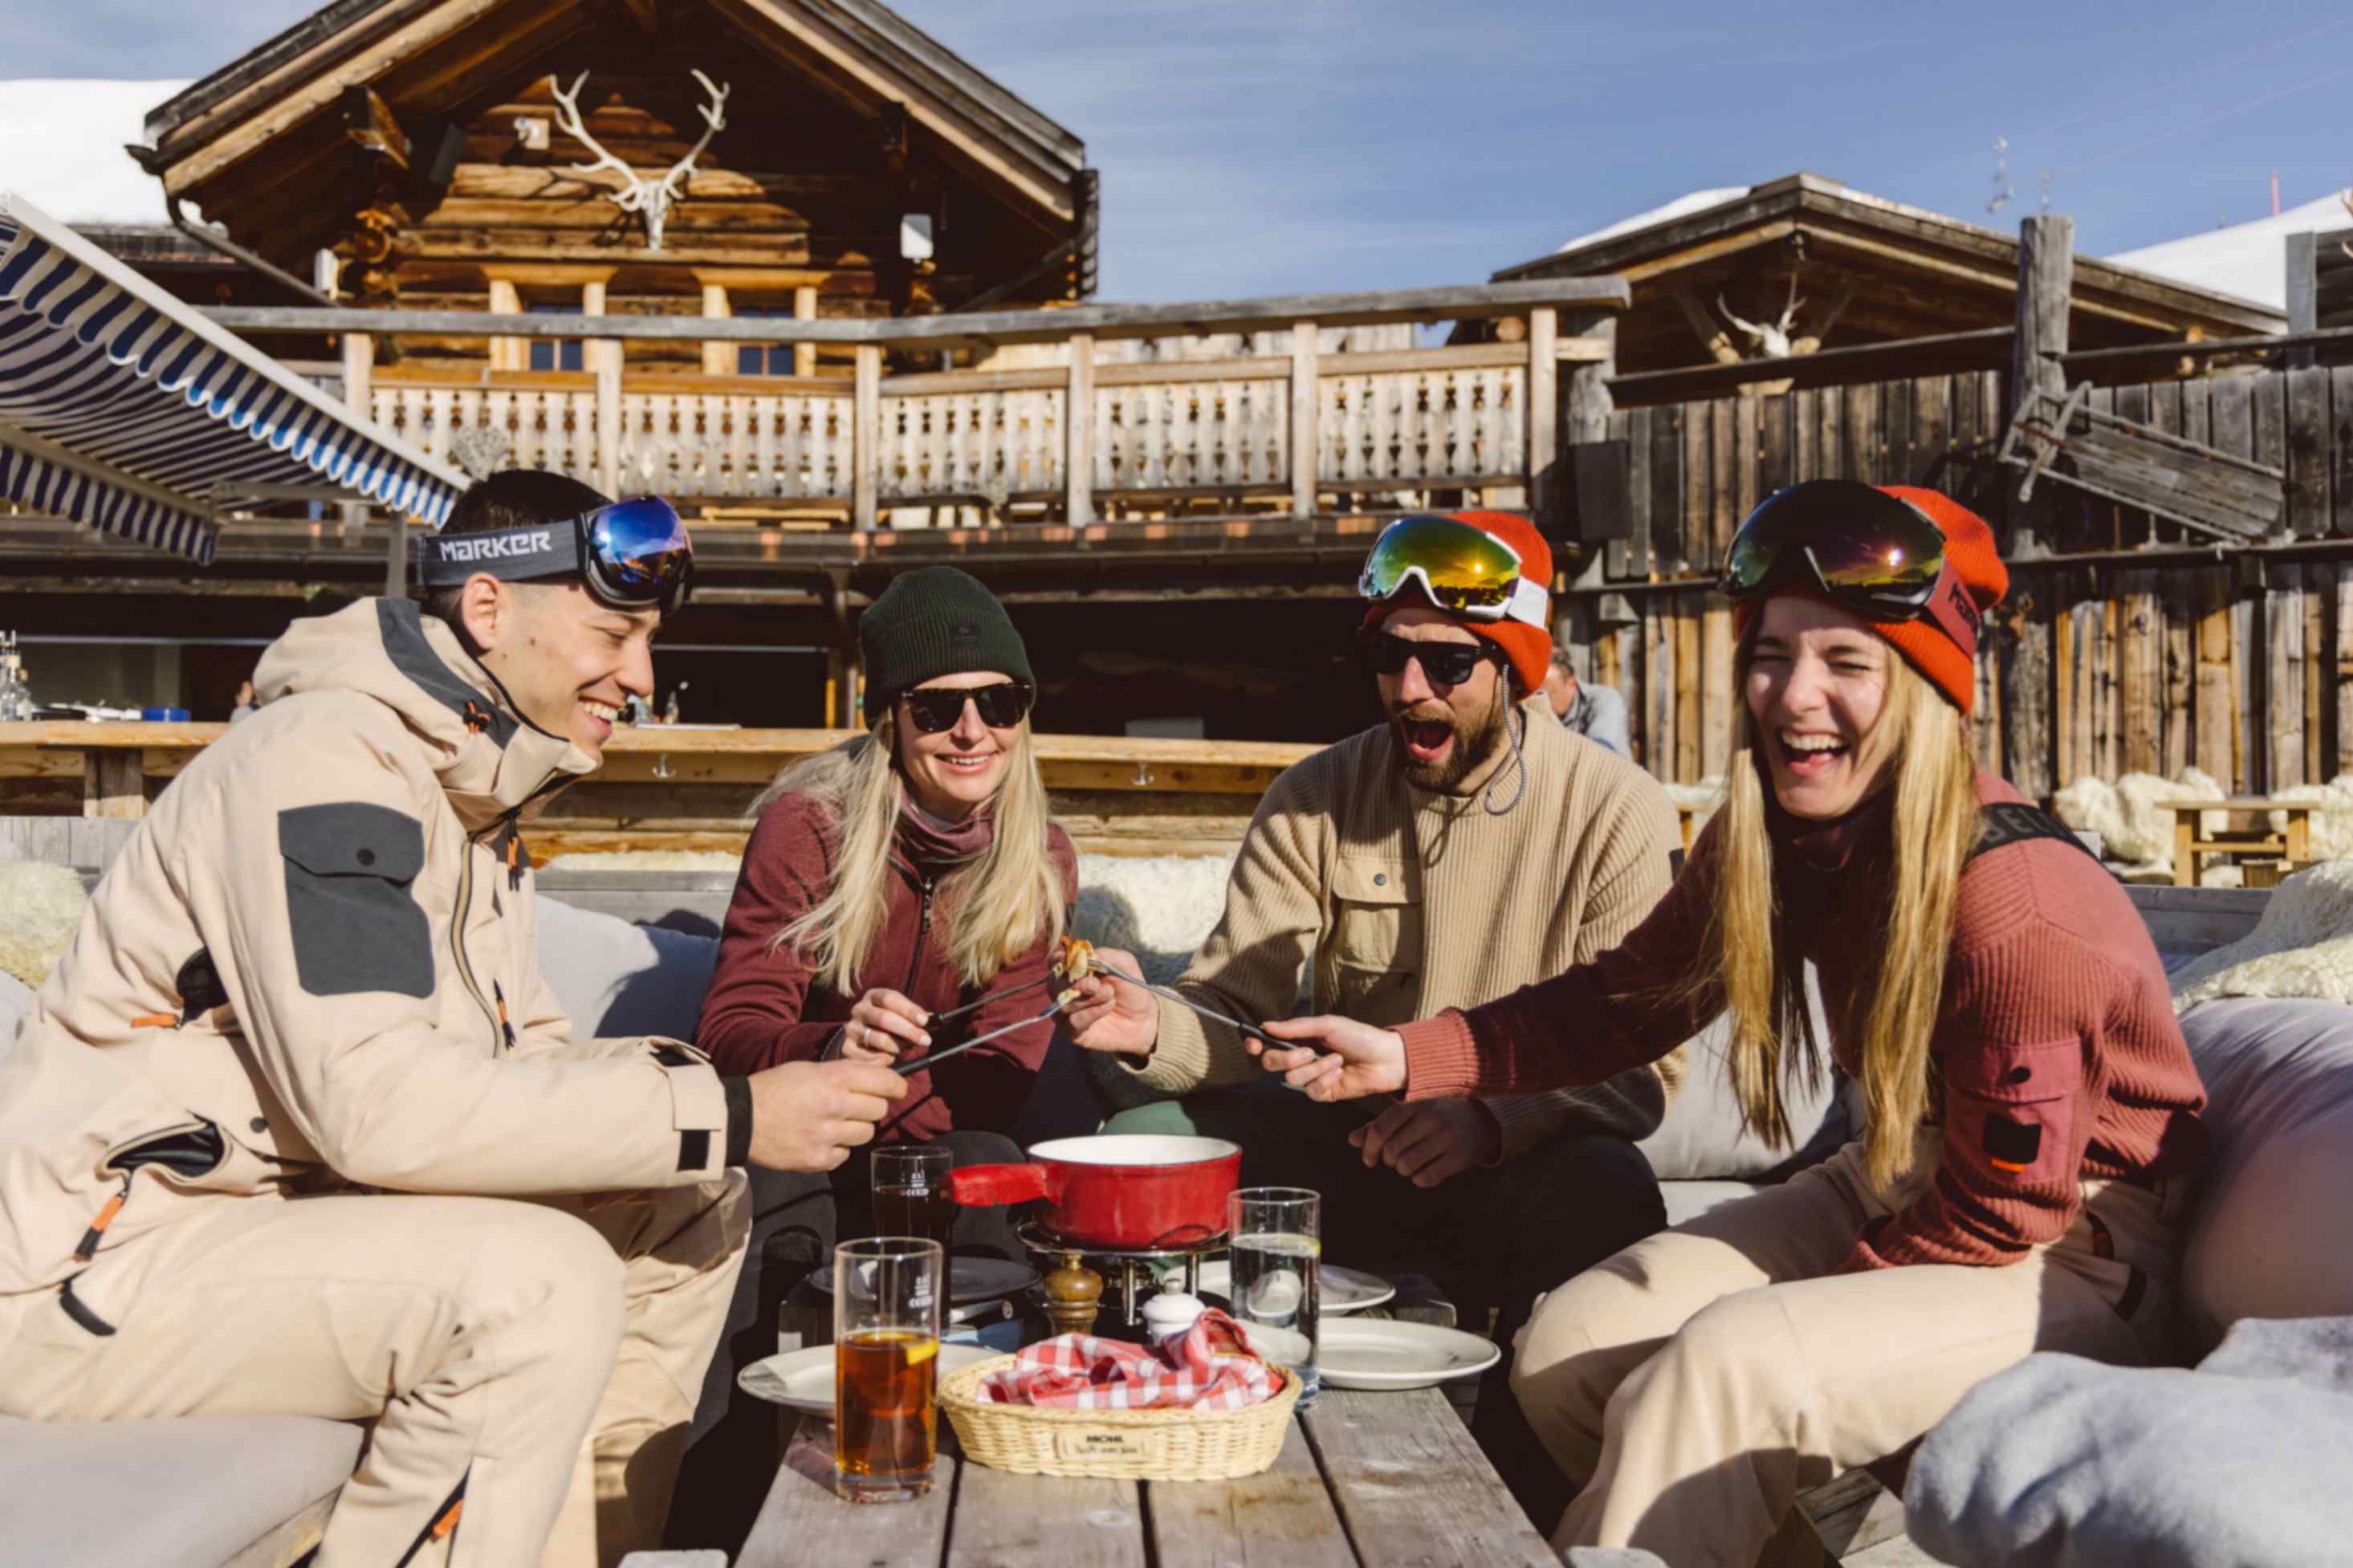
x=934, y=622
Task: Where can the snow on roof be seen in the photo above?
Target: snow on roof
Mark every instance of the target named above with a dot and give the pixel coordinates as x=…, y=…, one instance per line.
x=2249, y=259
x=61, y=145
x=1682, y=206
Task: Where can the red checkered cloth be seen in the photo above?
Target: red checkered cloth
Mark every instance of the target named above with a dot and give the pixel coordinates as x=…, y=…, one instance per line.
x=1079, y=1371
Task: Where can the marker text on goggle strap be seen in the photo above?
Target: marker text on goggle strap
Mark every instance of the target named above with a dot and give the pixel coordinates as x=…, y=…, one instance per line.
x=495, y=547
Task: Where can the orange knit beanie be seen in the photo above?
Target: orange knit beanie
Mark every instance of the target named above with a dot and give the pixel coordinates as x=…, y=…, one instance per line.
x=1529, y=648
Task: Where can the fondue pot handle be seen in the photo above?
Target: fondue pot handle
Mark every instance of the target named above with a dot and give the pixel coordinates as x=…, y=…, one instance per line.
x=986, y=1186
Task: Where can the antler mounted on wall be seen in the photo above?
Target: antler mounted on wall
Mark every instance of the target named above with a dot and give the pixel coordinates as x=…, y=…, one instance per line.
x=1773, y=340
x=650, y=199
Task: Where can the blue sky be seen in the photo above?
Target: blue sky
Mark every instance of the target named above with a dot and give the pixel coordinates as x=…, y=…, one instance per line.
x=1269, y=146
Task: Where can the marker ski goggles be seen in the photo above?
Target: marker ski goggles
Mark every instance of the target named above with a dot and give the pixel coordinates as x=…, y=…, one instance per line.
x=937, y=708
x=1864, y=550
x=633, y=555
x=1464, y=571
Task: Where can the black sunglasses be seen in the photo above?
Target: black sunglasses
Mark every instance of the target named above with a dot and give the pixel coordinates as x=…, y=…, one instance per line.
x=1447, y=664
x=937, y=708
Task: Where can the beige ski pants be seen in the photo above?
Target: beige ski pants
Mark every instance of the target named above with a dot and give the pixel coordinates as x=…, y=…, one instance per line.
x=1697, y=1382
x=537, y=1363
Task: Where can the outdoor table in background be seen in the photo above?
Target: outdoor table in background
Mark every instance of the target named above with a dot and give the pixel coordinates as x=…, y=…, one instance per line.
x=2293, y=844
x=1365, y=1480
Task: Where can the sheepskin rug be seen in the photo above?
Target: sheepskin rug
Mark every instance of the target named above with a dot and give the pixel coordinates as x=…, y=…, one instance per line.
x=1159, y=907
x=2303, y=945
x=40, y=908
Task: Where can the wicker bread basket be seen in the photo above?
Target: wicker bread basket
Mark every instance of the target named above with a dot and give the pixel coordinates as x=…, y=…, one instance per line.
x=1117, y=1444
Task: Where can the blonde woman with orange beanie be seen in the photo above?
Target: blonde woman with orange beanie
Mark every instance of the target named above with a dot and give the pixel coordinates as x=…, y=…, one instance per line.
x=2032, y=1106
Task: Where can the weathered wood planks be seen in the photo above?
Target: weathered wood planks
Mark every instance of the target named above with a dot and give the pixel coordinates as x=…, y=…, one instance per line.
x=1413, y=1486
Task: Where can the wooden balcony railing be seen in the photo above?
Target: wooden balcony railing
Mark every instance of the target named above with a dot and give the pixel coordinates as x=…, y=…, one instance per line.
x=1072, y=438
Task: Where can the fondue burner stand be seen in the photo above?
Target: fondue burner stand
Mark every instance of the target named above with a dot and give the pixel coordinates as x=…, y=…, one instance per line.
x=1074, y=1291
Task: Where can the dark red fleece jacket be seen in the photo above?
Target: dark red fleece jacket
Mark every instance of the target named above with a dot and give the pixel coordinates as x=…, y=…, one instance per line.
x=767, y=1007
x=2056, y=1045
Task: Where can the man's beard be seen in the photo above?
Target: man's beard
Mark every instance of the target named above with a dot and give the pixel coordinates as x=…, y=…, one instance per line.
x=1475, y=741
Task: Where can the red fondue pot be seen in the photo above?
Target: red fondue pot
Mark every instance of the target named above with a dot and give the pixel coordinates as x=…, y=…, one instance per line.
x=1131, y=1191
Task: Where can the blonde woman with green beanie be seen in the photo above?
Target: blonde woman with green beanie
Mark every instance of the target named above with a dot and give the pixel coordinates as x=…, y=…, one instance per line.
x=910, y=873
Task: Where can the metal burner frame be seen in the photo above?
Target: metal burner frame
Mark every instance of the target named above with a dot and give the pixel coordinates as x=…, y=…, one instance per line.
x=1125, y=1267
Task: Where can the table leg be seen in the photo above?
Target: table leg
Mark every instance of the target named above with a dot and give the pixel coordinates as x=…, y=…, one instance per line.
x=2185, y=858
x=2299, y=837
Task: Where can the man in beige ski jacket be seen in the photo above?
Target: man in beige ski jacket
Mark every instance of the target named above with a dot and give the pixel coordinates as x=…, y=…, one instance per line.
x=297, y=1125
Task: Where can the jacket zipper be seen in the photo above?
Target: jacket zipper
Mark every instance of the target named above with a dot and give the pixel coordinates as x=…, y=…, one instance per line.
x=923, y=925
x=458, y=936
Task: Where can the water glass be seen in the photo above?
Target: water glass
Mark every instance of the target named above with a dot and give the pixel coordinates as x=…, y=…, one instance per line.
x=888, y=1294
x=909, y=1192
x=1275, y=1234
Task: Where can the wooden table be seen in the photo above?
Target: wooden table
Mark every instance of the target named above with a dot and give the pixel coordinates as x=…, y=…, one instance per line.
x=1365, y=1480
x=2293, y=844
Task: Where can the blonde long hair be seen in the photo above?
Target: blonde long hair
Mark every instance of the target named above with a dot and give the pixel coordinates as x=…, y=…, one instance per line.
x=995, y=908
x=1754, y=961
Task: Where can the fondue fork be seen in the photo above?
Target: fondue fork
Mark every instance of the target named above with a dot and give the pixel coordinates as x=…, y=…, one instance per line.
x=1252, y=1029
x=924, y=1063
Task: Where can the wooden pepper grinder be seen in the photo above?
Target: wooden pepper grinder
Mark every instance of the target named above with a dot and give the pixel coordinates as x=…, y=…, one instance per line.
x=1072, y=1293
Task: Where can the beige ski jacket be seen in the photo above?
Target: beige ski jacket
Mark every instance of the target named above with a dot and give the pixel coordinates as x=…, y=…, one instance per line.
x=313, y=967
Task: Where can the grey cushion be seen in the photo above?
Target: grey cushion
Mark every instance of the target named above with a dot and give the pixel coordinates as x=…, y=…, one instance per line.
x=190, y=1493
x=615, y=979
x=2061, y=1460
x=1689, y=1200
x=1701, y=1137
x=2271, y=1233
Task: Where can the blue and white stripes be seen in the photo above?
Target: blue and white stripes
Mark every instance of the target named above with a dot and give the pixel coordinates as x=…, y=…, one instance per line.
x=114, y=370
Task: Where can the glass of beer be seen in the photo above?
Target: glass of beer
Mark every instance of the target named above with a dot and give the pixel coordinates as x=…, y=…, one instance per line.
x=910, y=1191
x=1275, y=1239
x=887, y=1293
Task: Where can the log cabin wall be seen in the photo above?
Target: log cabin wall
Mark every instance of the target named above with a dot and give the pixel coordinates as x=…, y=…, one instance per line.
x=2161, y=651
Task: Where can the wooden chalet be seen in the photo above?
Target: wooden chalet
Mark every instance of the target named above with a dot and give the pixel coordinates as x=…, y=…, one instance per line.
x=1863, y=271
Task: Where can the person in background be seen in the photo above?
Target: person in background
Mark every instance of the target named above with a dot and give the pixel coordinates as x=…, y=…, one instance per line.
x=1597, y=713
x=1459, y=849
x=910, y=871
x=245, y=703
x=2032, y=1107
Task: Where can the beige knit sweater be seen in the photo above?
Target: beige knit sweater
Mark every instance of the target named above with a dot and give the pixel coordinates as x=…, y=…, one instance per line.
x=1400, y=904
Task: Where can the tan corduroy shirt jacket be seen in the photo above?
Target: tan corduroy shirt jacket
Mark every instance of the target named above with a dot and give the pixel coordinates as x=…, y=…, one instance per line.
x=1399, y=903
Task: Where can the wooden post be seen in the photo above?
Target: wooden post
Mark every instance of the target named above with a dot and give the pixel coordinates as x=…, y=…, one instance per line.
x=1589, y=407
x=506, y=352
x=1079, y=432
x=1543, y=413
x=113, y=783
x=1305, y=446
x=606, y=357
x=2046, y=272
x=804, y=309
x=718, y=358
x=359, y=383
x=2303, y=293
x=866, y=438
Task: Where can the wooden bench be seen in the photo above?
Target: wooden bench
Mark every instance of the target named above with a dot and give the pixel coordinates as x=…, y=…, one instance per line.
x=2190, y=842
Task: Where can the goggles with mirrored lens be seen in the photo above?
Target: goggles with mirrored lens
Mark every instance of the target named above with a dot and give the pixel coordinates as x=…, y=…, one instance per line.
x=633, y=555
x=1462, y=570
x=937, y=708
x=1865, y=550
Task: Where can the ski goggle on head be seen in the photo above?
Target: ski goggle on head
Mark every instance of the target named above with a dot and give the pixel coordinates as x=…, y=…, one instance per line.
x=632, y=555
x=1464, y=571
x=1860, y=549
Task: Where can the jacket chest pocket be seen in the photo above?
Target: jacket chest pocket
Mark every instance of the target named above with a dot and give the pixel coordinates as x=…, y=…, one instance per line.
x=1375, y=928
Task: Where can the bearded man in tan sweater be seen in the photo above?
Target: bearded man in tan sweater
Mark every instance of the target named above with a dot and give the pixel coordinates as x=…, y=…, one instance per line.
x=1465, y=848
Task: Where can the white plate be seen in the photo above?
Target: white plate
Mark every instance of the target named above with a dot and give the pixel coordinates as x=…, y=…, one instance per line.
x=1368, y=1353
x=803, y=1380
x=970, y=1279
x=1341, y=1289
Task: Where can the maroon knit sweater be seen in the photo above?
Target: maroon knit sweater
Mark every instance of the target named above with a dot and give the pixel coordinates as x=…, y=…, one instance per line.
x=767, y=1007
x=2059, y=1055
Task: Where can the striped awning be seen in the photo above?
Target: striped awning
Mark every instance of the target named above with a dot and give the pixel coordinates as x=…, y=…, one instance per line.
x=122, y=408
